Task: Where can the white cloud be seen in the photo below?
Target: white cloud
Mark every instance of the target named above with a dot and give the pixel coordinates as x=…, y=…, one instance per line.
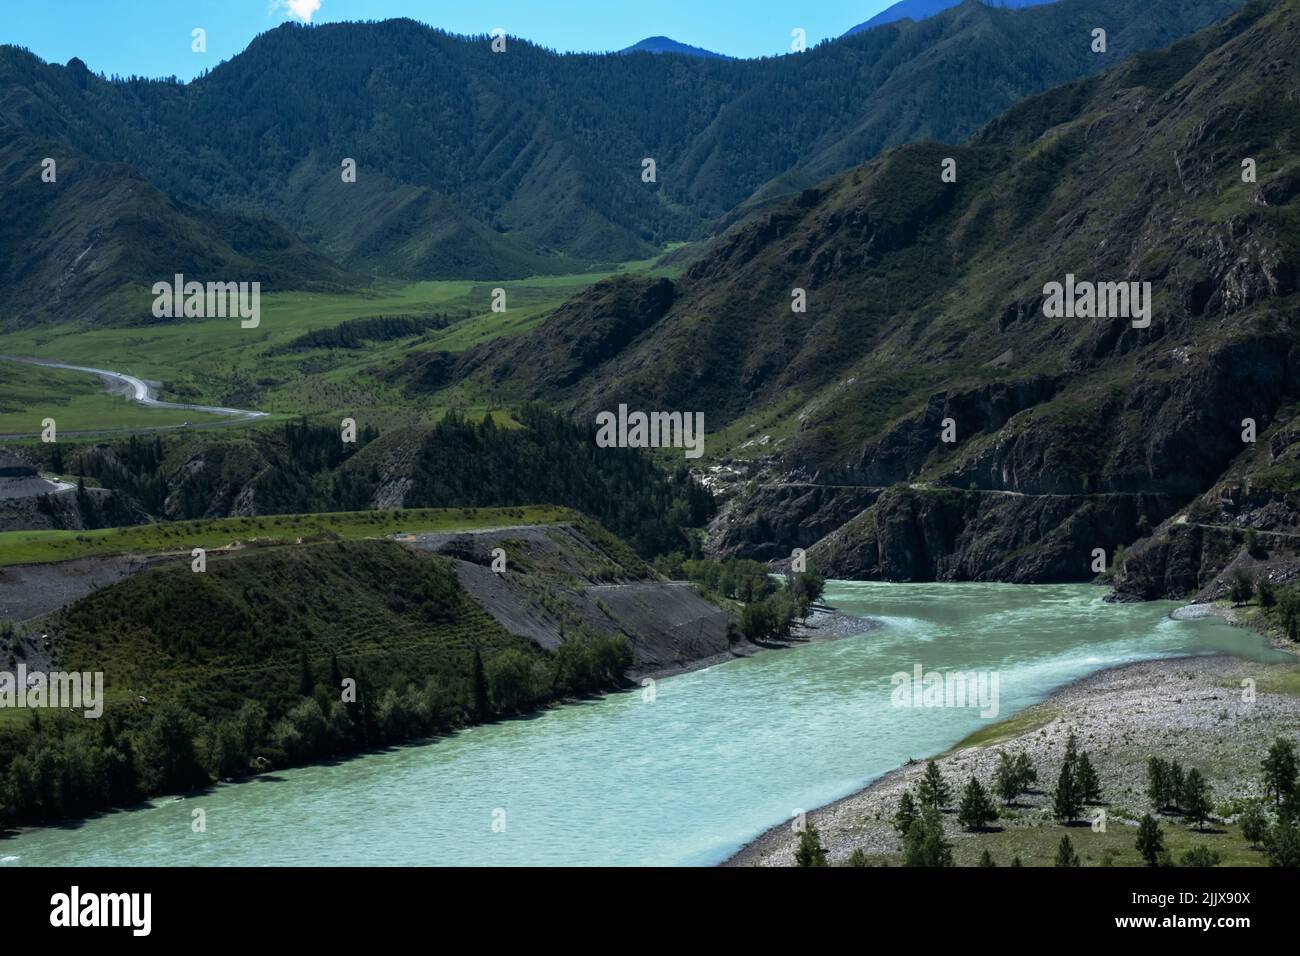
x=298, y=9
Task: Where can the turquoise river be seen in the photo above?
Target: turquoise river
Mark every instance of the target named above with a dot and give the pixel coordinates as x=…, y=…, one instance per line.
x=683, y=775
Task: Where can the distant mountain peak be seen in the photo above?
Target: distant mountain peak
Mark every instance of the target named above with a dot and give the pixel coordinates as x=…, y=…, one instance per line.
x=669, y=45
x=924, y=9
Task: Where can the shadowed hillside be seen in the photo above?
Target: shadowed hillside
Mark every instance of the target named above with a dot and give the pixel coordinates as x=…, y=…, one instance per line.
x=926, y=305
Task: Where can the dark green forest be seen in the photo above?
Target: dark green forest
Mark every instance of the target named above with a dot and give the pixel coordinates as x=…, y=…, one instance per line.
x=243, y=668
x=530, y=162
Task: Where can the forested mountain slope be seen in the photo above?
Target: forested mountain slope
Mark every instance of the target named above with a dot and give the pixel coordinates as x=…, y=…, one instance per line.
x=926, y=304
x=484, y=165
x=91, y=243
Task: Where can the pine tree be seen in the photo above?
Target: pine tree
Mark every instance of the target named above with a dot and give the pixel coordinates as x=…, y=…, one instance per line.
x=1196, y=798
x=1067, y=801
x=1065, y=855
x=1283, y=845
x=1279, y=769
x=1158, y=782
x=906, y=814
x=810, y=852
x=1071, y=751
x=1176, y=784
x=1150, y=840
x=1005, y=779
x=1015, y=860
x=1085, y=777
x=976, y=810
x=924, y=844
x=305, y=681
x=1026, y=774
x=933, y=791
x=986, y=859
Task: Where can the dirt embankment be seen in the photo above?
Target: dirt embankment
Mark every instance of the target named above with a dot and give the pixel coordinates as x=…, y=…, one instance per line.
x=556, y=580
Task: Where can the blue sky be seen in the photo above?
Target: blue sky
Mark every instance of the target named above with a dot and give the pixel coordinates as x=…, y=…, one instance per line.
x=152, y=37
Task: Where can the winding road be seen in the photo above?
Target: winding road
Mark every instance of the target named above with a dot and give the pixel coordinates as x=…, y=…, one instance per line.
x=138, y=390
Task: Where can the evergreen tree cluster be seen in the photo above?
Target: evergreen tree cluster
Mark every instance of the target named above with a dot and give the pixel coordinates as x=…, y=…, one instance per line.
x=357, y=333
x=552, y=461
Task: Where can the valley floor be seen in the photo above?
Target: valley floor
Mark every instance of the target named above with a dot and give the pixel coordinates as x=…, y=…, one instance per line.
x=1195, y=710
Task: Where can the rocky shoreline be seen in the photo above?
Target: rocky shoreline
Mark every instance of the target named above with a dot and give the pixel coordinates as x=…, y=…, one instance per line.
x=823, y=624
x=1194, y=709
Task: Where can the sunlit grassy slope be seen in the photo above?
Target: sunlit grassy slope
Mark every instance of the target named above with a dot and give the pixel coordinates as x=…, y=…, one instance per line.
x=215, y=361
x=38, y=547
x=77, y=401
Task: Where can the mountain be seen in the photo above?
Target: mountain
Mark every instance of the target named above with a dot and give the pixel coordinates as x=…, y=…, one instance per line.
x=96, y=238
x=926, y=311
x=923, y=9
x=669, y=45
x=479, y=165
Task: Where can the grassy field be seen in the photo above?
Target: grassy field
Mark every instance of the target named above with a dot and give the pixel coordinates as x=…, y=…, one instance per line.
x=215, y=361
x=76, y=401
x=39, y=547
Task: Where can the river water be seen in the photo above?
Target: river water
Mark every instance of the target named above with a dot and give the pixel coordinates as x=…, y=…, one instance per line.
x=683, y=775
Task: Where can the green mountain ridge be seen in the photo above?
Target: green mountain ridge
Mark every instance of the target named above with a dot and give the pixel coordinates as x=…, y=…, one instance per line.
x=93, y=242
x=926, y=305
x=480, y=165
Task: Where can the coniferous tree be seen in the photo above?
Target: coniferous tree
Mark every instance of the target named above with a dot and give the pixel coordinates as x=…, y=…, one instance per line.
x=1177, y=783
x=1067, y=801
x=810, y=851
x=906, y=814
x=933, y=790
x=1086, y=779
x=1015, y=860
x=1290, y=809
x=1071, y=751
x=1282, y=846
x=1150, y=840
x=986, y=859
x=1196, y=798
x=976, y=810
x=305, y=681
x=1005, y=779
x=1158, y=782
x=1280, y=769
x=1026, y=774
x=924, y=844
x=1200, y=856
x=1065, y=855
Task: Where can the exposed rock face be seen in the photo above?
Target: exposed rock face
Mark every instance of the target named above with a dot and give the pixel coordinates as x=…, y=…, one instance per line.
x=913, y=534
x=11, y=466
x=905, y=448
x=558, y=580
x=781, y=517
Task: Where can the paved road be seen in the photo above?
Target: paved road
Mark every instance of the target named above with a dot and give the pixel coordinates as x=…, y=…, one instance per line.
x=138, y=390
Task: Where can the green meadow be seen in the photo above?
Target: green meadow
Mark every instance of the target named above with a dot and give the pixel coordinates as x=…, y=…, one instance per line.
x=179, y=537
x=215, y=361
x=77, y=401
